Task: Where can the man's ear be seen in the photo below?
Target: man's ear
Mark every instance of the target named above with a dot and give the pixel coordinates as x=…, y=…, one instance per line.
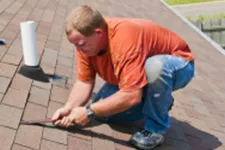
x=99, y=31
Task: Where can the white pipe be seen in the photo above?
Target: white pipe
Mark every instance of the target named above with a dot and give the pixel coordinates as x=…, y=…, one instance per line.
x=28, y=36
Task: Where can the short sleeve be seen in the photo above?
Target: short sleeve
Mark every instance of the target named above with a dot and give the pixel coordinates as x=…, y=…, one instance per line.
x=84, y=68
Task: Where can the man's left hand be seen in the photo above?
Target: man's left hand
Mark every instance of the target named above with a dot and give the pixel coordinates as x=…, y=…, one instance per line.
x=77, y=116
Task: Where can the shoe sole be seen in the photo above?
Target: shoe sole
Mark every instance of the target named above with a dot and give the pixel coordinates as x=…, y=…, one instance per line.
x=141, y=147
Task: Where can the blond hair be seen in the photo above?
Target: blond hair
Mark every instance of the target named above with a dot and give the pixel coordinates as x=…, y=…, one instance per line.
x=84, y=19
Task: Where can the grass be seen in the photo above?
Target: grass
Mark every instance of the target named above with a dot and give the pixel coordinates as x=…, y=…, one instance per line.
x=176, y=2
x=208, y=17
x=212, y=17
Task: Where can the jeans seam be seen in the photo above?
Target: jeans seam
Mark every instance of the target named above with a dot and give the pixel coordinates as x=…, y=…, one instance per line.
x=160, y=78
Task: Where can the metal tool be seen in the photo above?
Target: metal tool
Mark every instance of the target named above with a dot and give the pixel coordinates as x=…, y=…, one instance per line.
x=36, y=122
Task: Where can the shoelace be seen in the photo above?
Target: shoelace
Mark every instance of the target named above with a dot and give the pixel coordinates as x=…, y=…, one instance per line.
x=146, y=133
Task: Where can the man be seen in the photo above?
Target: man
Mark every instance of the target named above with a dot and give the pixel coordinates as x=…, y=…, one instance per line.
x=142, y=64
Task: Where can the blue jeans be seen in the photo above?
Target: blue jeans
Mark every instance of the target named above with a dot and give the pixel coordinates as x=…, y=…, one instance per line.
x=165, y=74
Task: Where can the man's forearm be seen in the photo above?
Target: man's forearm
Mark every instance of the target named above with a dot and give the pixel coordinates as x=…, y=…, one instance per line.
x=79, y=94
x=116, y=103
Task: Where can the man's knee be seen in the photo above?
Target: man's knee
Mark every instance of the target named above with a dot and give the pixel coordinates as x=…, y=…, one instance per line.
x=154, y=68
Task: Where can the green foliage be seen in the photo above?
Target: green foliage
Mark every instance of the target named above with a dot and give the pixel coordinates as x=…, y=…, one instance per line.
x=176, y=2
x=207, y=17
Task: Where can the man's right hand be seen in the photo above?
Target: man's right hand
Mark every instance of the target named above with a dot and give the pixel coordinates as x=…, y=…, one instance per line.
x=59, y=114
x=79, y=95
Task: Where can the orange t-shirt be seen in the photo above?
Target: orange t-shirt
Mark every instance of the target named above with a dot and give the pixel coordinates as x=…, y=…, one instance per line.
x=131, y=42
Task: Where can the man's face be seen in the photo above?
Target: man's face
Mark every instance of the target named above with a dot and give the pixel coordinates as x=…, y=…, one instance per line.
x=89, y=45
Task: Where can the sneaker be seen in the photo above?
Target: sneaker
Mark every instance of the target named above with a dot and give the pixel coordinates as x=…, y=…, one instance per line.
x=146, y=140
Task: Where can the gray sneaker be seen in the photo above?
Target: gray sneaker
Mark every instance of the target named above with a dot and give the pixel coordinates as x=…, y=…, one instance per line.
x=146, y=140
